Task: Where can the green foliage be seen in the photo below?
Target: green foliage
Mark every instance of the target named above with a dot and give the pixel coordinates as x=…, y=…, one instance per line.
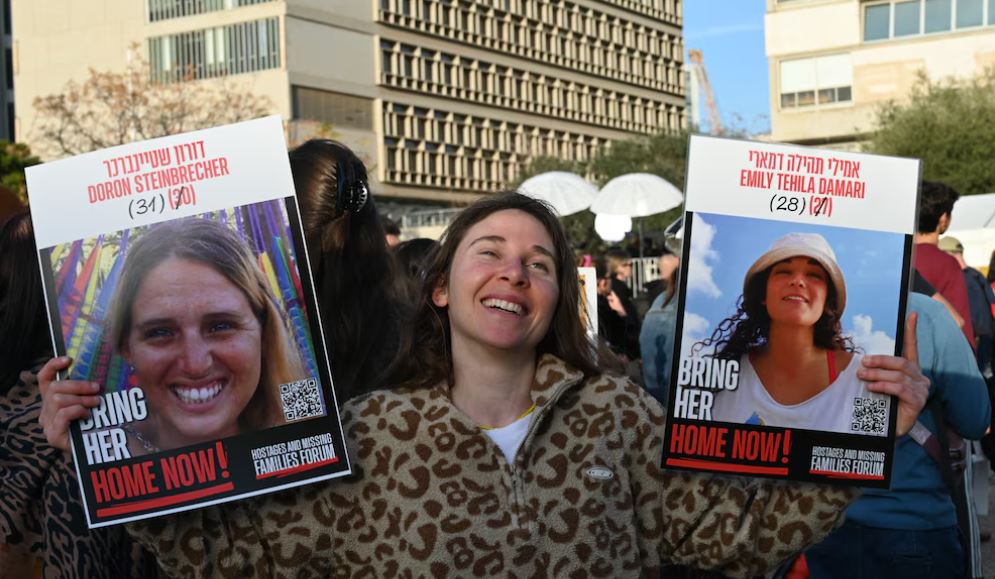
x=14, y=157
x=663, y=154
x=950, y=126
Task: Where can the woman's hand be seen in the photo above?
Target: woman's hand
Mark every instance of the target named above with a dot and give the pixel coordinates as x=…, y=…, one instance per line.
x=616, y=304
x=63, y=401
x=901, y=377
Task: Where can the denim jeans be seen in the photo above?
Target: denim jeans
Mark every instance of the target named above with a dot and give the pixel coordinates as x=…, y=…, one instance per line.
x=855, y=551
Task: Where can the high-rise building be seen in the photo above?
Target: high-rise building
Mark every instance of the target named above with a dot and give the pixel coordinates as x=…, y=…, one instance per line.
x=444, y=99
x=833, y=62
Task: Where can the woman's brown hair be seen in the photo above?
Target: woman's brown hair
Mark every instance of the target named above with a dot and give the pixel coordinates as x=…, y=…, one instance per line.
x=351, y=264
x=24, y=337
x=217, y=246
x=427, y=361
x=749, y=327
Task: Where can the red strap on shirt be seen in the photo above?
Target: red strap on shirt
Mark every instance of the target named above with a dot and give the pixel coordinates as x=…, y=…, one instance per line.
x=831, y=362
x=798, y=569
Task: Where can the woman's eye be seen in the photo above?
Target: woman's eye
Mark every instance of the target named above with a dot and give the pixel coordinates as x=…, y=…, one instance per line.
x=157, y=333
x=217, y=327
x=539, y=266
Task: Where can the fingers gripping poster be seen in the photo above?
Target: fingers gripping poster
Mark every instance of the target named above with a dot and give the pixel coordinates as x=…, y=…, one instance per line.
x=797, y=262
x=177, y=280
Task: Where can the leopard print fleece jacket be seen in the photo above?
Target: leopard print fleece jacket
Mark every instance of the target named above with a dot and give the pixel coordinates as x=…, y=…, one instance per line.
x=433, y=496
x=43, y=530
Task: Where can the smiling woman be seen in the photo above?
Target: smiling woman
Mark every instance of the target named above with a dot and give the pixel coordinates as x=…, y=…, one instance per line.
x=195, y=318
x=797, y=369
x=501, y=449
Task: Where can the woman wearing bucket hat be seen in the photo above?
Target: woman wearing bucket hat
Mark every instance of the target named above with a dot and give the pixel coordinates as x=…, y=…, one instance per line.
x=796, y=369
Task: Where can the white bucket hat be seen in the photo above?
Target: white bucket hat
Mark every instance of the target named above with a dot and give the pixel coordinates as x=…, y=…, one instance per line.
x=810, y=245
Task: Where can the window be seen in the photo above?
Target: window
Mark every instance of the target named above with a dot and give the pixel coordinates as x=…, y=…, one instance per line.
x=902, y=18
x=970, y=13
x=336, y=109
x=165, y=9
x=937, y=16
x=907, y=18
x=877, y=21
x=214, y=52
x=816, y=81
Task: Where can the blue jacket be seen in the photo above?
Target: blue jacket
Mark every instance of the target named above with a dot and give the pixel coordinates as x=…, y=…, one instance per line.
x=656, y=343
x=918, y=499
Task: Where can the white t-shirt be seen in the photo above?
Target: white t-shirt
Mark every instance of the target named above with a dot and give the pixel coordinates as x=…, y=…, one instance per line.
x=844, y=406
x=510, y=437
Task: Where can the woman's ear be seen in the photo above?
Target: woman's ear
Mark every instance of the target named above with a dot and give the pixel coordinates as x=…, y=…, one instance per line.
x=440, y=295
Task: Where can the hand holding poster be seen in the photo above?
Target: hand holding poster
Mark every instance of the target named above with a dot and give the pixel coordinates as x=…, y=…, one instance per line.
x=177, y=280
x=796, y=266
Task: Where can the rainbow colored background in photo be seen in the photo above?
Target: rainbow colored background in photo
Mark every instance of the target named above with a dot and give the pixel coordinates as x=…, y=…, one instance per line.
x=86, y=274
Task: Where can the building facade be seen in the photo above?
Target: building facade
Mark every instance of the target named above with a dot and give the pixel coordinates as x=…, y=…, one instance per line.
x=443, y=99
x=834, y=62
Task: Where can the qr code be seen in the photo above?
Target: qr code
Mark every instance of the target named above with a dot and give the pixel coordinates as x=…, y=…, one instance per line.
x=301, y=399
x=870, y=415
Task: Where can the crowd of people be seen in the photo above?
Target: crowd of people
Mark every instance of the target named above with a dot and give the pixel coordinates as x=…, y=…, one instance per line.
x=486, y=435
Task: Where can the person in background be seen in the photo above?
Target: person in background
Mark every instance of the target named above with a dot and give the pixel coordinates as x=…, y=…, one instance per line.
x=354, y=270
x=656, y=339
x=667, y=265
x=9, y=203
x=911, y=530
x=920, y=285
x=620, y=270
x=43, y=531
x=619, y=330
x=392, y=232
x=991, y=276
x=412, y=257
x=936, y=204
x=980, y=299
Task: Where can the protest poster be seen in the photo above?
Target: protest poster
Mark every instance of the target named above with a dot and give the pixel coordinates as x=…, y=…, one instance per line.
x=796, y=264
x=176, y=277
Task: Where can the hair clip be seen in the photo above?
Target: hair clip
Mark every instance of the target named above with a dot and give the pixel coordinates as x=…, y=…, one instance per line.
x=358, y=195
x=352, y=194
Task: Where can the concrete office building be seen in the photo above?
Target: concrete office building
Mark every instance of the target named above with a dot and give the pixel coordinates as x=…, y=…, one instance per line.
x=833, y=62
x=444, y=99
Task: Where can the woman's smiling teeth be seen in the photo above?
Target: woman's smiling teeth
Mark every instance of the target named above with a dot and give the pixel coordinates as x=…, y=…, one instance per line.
x=795, y=299
x=198, y=395
x=504, y=305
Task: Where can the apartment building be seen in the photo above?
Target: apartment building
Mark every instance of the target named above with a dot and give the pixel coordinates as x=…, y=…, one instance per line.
x=444, y=99
x=834, y=62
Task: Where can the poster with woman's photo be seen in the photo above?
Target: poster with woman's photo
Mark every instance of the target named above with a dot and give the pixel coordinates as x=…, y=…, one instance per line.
x=797, y=266
x=177, y=280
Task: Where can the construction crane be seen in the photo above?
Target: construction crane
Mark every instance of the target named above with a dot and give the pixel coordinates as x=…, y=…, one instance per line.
x=700, y=78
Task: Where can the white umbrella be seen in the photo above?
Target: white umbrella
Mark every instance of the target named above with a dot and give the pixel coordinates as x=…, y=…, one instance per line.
x=566, y=192
x=637, y=195
x=612, y=227
x=973, y=212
